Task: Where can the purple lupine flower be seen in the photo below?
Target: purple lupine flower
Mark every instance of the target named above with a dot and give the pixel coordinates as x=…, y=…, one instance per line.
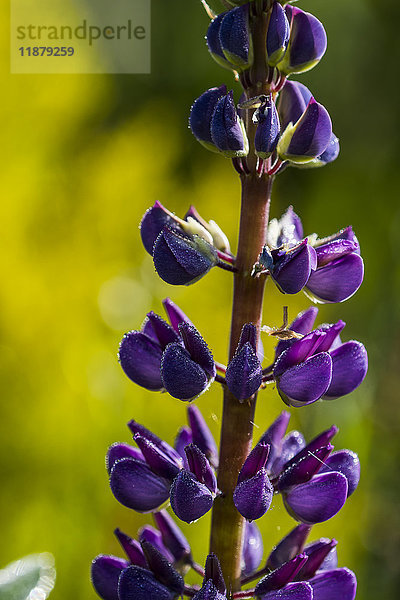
x=140, y=352
x=136, y=583
x=190, y=499
x=280, y=577
x=244, y=372
x=235, y=39
x=273, y=436
x=163, y=570
x=214, y=42
x=340, y=268
x=292, y=103
x=187, y=370
x=213, y=587
x=268, y=127
x=227, y=129
x=277, y=34
x=151, y=535
x=131, y=547
x=319, y=366
x=105, y=573
x=252, y=551
x=331, y=272
x=307, y=42
x=203, y=108
x=322, y=556
x=253, y=493
x=337, y=583
x=172, y=357
x=291, y=545
x=309, y=137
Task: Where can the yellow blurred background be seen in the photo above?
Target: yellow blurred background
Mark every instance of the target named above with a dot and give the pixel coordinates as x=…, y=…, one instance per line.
x=83, y=157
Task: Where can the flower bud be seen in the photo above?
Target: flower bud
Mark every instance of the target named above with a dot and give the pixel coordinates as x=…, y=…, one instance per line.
x=273, y=436
x=190, y=499
x=292, y=102
x=303, y=470
x=277, y=34
x=180, y=259
x=347, y=463
x=153, y=222
x=105, y=572
x=183, y=438
x=329, y=155
x=201, y=114
x=268, y=128
x=118, y=450
x=235, y=38
x=162, y=568
x=253, y=493
x=213, y=572
x=138, y=428
x=244, y=371
x=147, y=533
x=209, y=592
x=214, y=42
x=200, y=467
x=290, y=268
x=307, y=42
x=159, y=463
x=187, y=371
x=318, y=552
x=227, y=129
x=134, y=485
x=309, y=137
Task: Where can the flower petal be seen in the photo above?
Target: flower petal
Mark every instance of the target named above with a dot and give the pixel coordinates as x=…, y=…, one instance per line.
x=252, y=551
x=338, y=280
x=292, y=591
x=281, y=576
x=253, y=496
x=347, y=463
x=105, y=572
x=119, y=450
x=349, y=367
x=307, y=382
x=291, y=545
x=190, y=499
x=334, y=584
x=244, y=373
x=292, y=270
x=140, y=359
x=153, y=222
x=302, y=324
x=202, y=435
x=182, y=377
x=140, y=584
x=134, y=485
x=319, y=499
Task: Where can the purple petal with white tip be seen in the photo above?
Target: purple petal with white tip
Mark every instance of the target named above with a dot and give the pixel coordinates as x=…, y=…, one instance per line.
x=140, y=359
x=202, y=435
x=311, y=134
x=281, y=576
x=234, y=36
x=134, y=485
x=291, y=545
x=338, y=280
x=136, y=583
x=292, y=103
x=292, y=591
x=347, y=463
x=331, y=585
x=307, y=382
x=105, y=573
x=190, y=499
x=153, y=222
x=277, y=34
x=253, y=496
x=182, y=377
x=319, y=499
x=350, y=365
x=252, y=550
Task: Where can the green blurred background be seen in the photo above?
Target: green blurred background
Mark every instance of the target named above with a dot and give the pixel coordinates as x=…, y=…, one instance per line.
x=84, y=156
